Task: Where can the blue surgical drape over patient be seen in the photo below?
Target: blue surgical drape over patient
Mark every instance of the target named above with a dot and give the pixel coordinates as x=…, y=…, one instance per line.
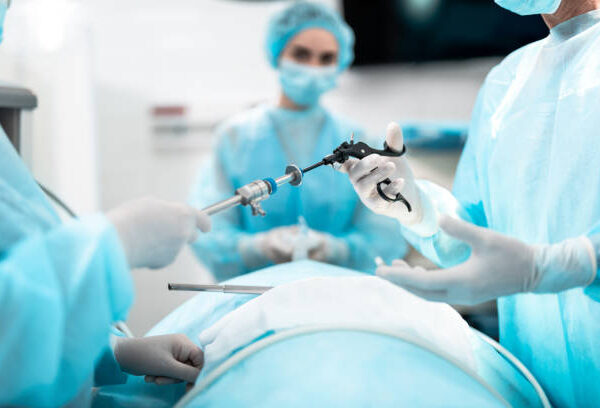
x=530, y=171
x=250, y=147
x=61, y=287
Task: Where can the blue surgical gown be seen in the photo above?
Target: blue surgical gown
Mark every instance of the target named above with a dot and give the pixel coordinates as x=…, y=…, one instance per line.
x=260, y=143
x=61, y=287
x=530, y=171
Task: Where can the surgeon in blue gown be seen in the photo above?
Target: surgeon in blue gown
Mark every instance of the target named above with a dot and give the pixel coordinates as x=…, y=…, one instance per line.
x=310, y=46
x=62, y=285
x=523, y=221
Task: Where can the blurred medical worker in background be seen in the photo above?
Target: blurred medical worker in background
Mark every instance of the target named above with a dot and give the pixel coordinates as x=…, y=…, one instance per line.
x=62, y=285
x=310, y=46
x=523, y=222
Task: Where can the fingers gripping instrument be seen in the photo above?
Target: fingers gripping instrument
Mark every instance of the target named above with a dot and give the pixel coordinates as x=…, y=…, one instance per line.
x=359, y=151
x=254, y=193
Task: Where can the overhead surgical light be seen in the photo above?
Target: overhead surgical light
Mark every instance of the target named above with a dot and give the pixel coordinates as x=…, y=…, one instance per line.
x=419, y=11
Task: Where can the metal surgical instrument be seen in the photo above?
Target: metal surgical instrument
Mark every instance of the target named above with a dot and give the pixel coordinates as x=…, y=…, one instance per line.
x=239, y=289
x=253, y=193
x=361, y=150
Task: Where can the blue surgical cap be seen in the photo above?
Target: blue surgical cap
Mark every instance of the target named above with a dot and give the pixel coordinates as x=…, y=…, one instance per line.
x=304, y=15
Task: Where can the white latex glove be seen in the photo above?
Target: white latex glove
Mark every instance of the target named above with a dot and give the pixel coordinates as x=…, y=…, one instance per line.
x=154, y=231
x=163, y=359
x=366, y=173
x=498, y=266
x=277, y=244
x=324, y=247
x=282, y=244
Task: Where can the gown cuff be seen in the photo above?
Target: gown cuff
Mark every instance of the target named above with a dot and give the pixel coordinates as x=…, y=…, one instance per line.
x=428, y=226
x=566, y=265
x=593, y=289
x=589, y=246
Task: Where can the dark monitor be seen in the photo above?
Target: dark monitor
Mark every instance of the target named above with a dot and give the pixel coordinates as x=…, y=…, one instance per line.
x=390, y=31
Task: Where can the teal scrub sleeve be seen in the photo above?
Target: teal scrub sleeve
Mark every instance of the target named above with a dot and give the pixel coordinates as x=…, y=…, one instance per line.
x=107, y=370
x=59, y=293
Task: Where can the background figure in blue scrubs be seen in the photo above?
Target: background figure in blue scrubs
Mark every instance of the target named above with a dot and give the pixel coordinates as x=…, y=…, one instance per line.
x=310, y=46
x=523, y=221
x=62, y=285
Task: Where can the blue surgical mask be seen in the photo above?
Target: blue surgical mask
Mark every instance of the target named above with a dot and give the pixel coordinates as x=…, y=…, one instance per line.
x=3, y=7
x=304, y=84
x=529, y=7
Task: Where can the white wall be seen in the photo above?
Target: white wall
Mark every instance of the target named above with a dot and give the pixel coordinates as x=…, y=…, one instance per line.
x=47, y=49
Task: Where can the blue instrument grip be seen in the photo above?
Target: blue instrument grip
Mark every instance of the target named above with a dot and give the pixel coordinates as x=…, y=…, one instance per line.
x=272, y=183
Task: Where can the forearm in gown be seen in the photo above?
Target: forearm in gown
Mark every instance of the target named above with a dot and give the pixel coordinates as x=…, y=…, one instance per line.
x=440, y=248
x=464, y=202
x=59, y=293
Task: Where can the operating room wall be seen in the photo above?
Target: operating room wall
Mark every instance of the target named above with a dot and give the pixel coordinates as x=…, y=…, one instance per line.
x=47, y=48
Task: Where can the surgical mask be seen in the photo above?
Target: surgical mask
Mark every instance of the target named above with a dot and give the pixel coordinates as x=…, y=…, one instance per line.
x=529, y=7
x=3, y=7
x=304, y=84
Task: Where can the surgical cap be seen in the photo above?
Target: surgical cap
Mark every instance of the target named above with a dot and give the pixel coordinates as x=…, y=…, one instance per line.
x=304, y=15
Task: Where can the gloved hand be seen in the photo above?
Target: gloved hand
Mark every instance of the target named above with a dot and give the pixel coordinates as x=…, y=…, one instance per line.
x=163, y=359
x=154, y=231
x=283, y=244
x=277, y=244
x=365, y=174
x=324, y=247
x=498, y=266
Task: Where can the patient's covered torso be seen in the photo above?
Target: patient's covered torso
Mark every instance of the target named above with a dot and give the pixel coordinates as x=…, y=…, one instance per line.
x=358, y=302
x=329, y=336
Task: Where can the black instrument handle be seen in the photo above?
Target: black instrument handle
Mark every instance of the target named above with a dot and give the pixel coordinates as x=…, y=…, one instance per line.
x=396, y=198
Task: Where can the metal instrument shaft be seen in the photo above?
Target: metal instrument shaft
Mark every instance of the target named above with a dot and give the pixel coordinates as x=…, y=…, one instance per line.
x=314, y=166
x=238, y=289
x=253, y=193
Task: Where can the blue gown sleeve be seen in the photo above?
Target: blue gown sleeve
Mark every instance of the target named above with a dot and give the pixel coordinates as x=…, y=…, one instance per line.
x=440, y=248
x=59, y=293
x=107, y=370
x=466, y=201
